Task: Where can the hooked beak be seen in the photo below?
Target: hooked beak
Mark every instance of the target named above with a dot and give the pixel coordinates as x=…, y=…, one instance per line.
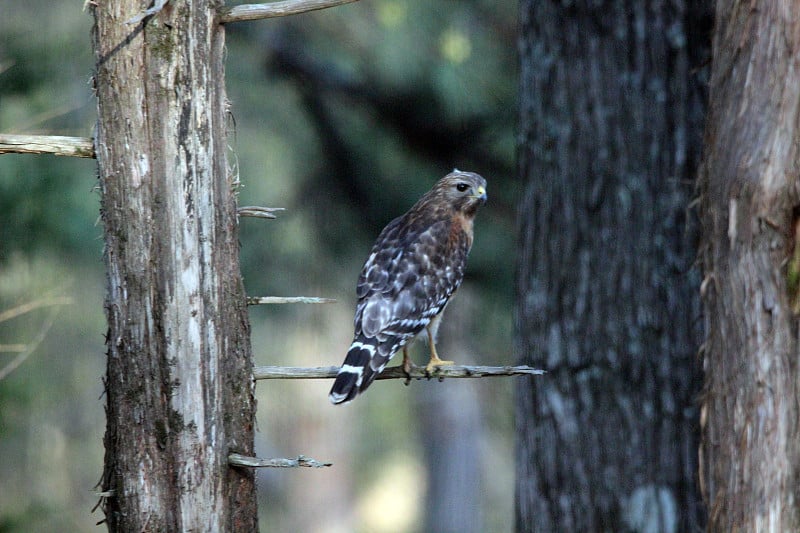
x=480, y=194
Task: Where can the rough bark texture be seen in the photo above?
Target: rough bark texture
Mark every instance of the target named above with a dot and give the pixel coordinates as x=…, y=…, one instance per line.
x=179, y=386
x=749, y=205
x=611, y=122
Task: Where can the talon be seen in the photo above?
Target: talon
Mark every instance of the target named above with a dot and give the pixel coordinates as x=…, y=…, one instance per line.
x=430, y=368
x=434, y=363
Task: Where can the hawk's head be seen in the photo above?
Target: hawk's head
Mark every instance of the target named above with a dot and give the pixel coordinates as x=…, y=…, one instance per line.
x=464, y=192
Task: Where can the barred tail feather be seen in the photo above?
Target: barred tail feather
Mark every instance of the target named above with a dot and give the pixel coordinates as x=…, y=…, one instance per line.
x=355, y=375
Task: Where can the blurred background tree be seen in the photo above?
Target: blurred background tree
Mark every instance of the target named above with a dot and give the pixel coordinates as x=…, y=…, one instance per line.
x=345, y=117
x=611, y=123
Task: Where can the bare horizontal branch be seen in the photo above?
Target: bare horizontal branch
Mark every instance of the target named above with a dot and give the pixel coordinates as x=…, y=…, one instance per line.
x=236, y=459
x=274, y=9
x=47, y=144
x=264, y=300
x=259, y=212
x=396, y=372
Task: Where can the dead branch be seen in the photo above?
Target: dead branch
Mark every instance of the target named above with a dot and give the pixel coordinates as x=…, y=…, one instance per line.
x=47, y=144
x=259, y=212
x=236, y=459
x=396, y=372
x=274, y=9
x=265, y=300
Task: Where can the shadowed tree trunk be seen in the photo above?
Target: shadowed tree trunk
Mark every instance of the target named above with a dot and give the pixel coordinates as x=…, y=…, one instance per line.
x=611, y=123
x=750, y=204
x=179, y=383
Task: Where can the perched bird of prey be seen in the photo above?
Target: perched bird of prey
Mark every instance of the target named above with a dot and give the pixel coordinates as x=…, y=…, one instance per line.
x=414, y=268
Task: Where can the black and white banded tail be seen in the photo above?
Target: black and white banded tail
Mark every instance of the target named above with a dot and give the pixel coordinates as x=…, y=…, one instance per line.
x=364, y=361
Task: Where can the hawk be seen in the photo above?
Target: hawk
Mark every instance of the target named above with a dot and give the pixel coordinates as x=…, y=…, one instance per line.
x=414, y=268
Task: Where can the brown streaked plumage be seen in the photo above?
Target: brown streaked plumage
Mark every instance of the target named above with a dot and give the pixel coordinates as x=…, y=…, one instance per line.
x=415, y=266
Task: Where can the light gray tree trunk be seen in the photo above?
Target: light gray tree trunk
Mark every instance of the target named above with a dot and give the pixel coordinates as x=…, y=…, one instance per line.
x=611, y=123
x=179, y=384
x=750, y=214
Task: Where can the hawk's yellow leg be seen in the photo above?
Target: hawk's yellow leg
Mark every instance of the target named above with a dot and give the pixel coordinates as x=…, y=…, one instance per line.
x=435, y=361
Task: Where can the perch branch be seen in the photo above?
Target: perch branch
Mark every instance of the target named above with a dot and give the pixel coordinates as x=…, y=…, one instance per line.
x=236, y=459
x=274, y=9
x=264, y=300
x=396, y=372
x=258, y=212
x=47, y=144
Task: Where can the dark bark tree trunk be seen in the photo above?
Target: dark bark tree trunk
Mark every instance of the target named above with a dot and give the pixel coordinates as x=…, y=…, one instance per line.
x=179, y=380
x=611, y=123
x=749, y=206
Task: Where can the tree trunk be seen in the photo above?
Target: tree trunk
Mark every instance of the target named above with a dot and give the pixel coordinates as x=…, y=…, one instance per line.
x=611, y=123
x=179, y=380
x=749, y=204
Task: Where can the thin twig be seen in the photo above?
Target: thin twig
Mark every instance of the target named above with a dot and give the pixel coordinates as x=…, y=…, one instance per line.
x=27, y=307
x=22, y=356
x=396, y=372
x=264, y=300
x=47, y=144
x=274, y=9
x=259, y=212
x=236, y=459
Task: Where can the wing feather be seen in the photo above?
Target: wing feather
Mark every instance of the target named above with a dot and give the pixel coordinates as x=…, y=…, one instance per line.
x=404, y=282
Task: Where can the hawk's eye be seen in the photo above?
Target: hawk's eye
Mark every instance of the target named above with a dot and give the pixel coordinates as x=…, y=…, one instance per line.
x=462, y=187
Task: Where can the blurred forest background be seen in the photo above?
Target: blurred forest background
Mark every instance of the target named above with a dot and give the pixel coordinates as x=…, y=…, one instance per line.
x=344, y=117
